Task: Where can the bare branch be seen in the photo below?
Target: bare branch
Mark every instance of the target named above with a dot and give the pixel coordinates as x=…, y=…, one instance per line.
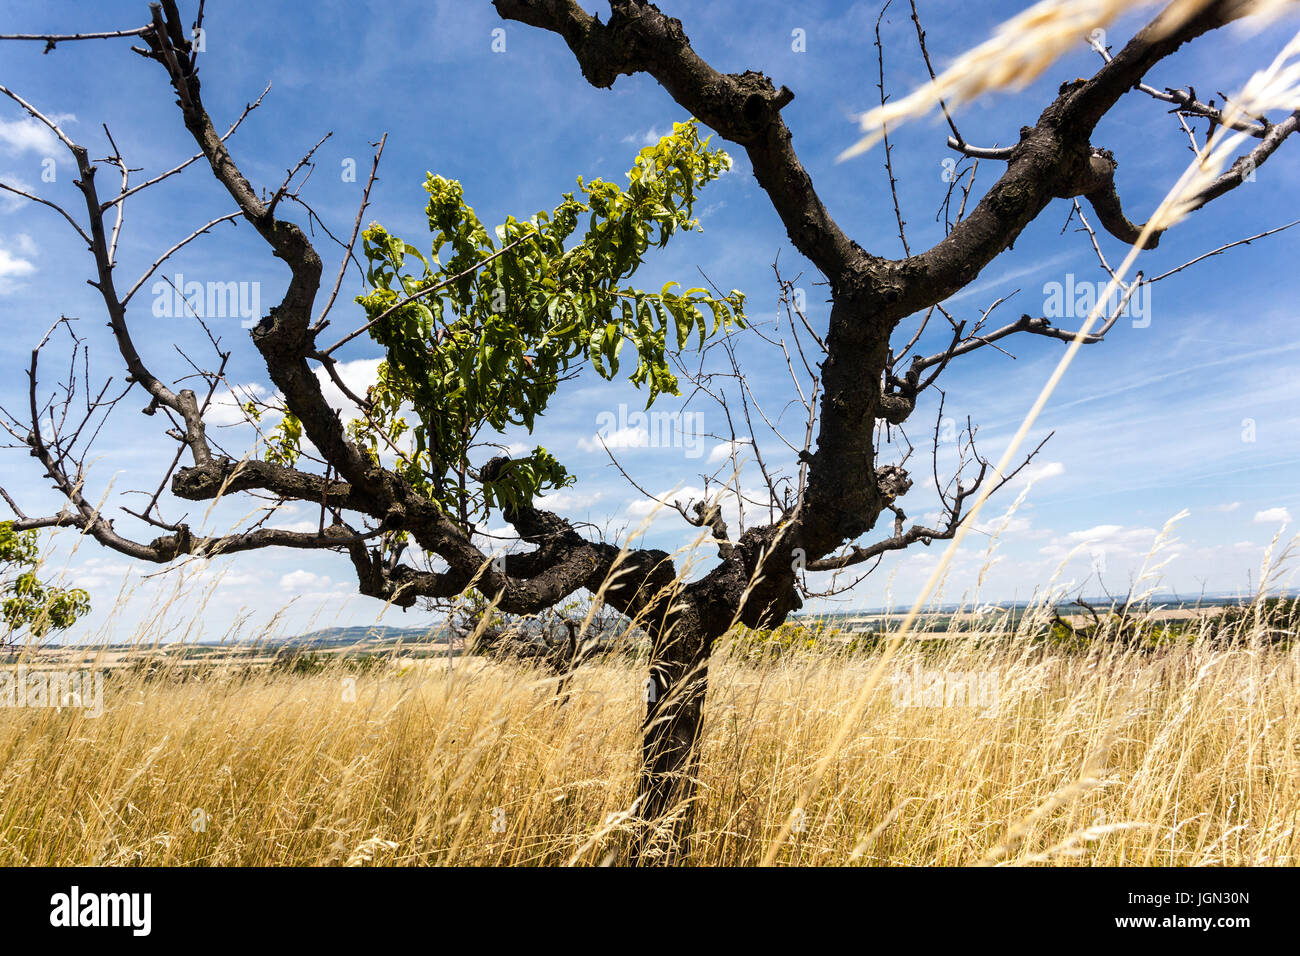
x=1223, y=248
x=925, y=54
x=889, y=166
x=50, y=39
x=981, y=152
x=1036, y=326
x=352, y=241
x=901, y=539
x=1188, y=105
x=45, y=202
x=202, y=230
x=199, y=155
x=284, y=186
x=745, y=108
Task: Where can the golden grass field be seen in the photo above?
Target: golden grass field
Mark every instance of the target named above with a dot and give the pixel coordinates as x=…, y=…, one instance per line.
x=1188, y=754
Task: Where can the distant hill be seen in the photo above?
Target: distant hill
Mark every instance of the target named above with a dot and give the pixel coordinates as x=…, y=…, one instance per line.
x=382, y=634
x=373, y=634
x=1219, y=599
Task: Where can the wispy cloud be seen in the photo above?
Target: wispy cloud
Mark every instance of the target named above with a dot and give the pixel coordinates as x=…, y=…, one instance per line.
x=28, y=135
x=16, y=263
x=645, y=138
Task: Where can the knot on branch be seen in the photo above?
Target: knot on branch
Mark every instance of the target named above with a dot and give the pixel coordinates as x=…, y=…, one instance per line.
x=635, y=30
x=270, y=334
x=491, y=470
x=643, y=582
x=170, y=546
x=395, y=519
x=201, y=482
x=899, y=399
x=896, y=407
x=1098, y=172
x=534, y=525
x=710, y=516
x=761, y=101
x=892, y=481
x=377, y=580
x=756, y=584
x=1095, y=181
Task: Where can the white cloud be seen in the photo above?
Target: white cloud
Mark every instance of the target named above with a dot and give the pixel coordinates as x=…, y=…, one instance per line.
x=99, y=574
x=648, y=138
x=301, y=580
x=722, y=452
x=1099, y=533
x=225, y=406
x=1273, y=516
x=358, y=375
x=1048, y=469
x=1103, y=538
x=1006, y=524
x=661, y=506
x=238, y=579
x=11, y=265
x=8, y=201
x=644, y=507
x=1232, y=506
x=492, y=540
x=30, y=135
x=304, y=525
x=629, y=437
x=564, y=501
x=14, y=268
x=1034, y=473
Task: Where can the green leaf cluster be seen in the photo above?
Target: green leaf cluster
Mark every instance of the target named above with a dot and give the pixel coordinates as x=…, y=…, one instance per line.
x=27, y=601
x=486, y=345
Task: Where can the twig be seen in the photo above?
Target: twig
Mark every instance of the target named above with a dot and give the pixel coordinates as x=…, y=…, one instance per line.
x=322, y=353
x=356, y=228
x=174, y=249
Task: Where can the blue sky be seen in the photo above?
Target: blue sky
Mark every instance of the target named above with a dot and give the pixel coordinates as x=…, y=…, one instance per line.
x=1193, y=407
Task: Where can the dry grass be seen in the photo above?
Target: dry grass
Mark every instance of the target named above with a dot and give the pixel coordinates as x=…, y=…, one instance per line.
x=1023, y=47
x=1189, y=754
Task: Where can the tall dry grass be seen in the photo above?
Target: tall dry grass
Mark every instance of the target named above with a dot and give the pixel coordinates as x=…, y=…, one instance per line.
x=1186, y=754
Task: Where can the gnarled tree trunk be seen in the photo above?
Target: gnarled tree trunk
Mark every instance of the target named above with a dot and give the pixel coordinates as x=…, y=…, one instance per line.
x=667, y=784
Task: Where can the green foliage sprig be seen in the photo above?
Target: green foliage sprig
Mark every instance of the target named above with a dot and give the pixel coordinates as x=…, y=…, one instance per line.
x=489, y=348
x=28, y=602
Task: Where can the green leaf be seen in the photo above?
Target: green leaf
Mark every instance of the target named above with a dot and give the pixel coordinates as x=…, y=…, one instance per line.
x=490, y=349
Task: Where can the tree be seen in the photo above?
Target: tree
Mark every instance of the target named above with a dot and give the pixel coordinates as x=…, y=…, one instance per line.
x=486, y=337
x=29, y=603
